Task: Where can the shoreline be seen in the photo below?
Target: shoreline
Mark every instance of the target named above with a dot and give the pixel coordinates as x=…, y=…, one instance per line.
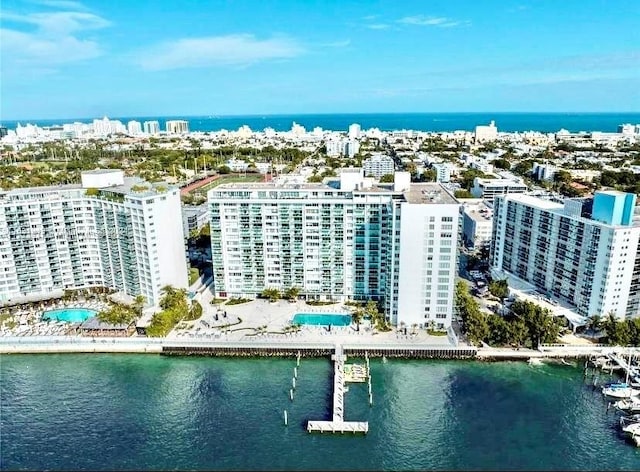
x=290, y=349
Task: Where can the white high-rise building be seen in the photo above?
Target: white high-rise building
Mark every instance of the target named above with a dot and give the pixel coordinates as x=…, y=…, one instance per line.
x=627, y=129
x=443, y=171
x=105, y=127
x=151, y=127
x=378, y=165
x=111, y=231
x=583, y=252
x=297, y=130
x=177, y=126
x=134, y=128
x=486, y=133
x=354, y=131
x=348, y=243
x=341, y=147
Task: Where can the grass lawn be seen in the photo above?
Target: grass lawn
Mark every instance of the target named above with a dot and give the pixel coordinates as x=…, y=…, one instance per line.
x=230, y=179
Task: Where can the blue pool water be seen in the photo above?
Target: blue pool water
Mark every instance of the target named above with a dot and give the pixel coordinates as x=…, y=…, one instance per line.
x=72, y=315
x=322, y=319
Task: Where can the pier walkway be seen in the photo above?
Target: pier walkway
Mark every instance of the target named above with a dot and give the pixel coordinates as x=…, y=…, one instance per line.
x=338, y=424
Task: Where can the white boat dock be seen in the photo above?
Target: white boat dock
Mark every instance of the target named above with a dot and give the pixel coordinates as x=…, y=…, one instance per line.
x=337, y=424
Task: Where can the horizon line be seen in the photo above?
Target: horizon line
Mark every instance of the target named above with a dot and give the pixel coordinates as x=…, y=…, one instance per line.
x=264, y=115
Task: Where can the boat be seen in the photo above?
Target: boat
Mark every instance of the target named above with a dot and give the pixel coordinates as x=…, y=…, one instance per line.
x=630, y=405
x=628, y=420
x=535, y=361
x=620, y=390
x=632, y=429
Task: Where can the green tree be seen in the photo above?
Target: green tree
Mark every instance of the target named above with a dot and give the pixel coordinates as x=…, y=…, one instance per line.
x=476, y=326
x=499, y=333
x=518, y=332
x=462, y=194
x=499, y=288
x=594, y=323
x=387, y=179
x=430, y=175
x=501, y=164
x=138, y=304
x=195, y=311
x=272, y=294
x=291, y=293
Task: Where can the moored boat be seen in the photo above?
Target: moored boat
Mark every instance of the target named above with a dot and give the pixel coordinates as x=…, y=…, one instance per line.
x=630, y=405
x=619, y=390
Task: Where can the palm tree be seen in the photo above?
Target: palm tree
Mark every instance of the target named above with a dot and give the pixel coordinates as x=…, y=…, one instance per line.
x=594, y=323
x=138, y=304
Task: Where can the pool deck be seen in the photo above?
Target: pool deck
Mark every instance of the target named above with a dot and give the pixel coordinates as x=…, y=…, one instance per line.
x=278, y=316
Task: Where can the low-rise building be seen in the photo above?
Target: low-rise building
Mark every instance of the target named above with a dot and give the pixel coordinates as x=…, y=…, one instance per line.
x=477, y=224
x=489, y=188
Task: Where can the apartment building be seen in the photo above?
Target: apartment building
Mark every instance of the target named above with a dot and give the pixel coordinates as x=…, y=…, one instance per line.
x=398, y=246
x=177, y=126
x=583, y=252
x=490, y=188
x=110, y=231
x=378, y=165
x=477, y=224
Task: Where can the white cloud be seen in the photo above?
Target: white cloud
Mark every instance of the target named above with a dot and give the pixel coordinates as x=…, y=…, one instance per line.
x=377, y=26
x=230, y=50
x=62, y=4
x=438, y=21
x=50, y=39
x=338, y=44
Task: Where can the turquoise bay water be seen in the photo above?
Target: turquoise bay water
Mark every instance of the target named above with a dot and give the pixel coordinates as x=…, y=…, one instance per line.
x=71, y=315
x=322, y=319
x=151, y=412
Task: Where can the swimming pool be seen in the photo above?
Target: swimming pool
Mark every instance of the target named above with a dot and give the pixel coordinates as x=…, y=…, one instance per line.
x=322, y=319
x=71, y=315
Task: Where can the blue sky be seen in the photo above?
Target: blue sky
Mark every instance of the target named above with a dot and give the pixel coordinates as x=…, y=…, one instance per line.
x=65, y=59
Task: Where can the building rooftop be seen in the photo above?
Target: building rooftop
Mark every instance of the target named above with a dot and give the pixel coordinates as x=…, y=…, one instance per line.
x=533, y=201
x=102, y=171
x=429, y=193
x=479, y=212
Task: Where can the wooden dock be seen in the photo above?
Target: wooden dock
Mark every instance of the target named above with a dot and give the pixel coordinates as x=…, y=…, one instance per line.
x=338, y=424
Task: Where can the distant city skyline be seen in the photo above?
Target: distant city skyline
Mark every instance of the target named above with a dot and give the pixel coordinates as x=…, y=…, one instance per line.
x=64, y=59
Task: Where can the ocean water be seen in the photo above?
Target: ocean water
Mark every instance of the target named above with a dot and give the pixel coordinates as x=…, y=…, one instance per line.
x=137, y=412
x=545, y=122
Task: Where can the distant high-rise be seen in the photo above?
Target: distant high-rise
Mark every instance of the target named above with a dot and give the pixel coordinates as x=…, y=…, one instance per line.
x=151, y=127
x=354, y=131
x=177, y=126
x=134, y=128
x=486, y=133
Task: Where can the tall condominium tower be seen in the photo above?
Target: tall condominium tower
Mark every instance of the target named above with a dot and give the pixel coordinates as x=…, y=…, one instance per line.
x=396, y=246
x=110, y=231
x=151, y=127
x=583, y=252
x=177, y=126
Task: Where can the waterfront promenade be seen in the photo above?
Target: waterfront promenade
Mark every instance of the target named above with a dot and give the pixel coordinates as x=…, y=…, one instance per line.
x=354, y=346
